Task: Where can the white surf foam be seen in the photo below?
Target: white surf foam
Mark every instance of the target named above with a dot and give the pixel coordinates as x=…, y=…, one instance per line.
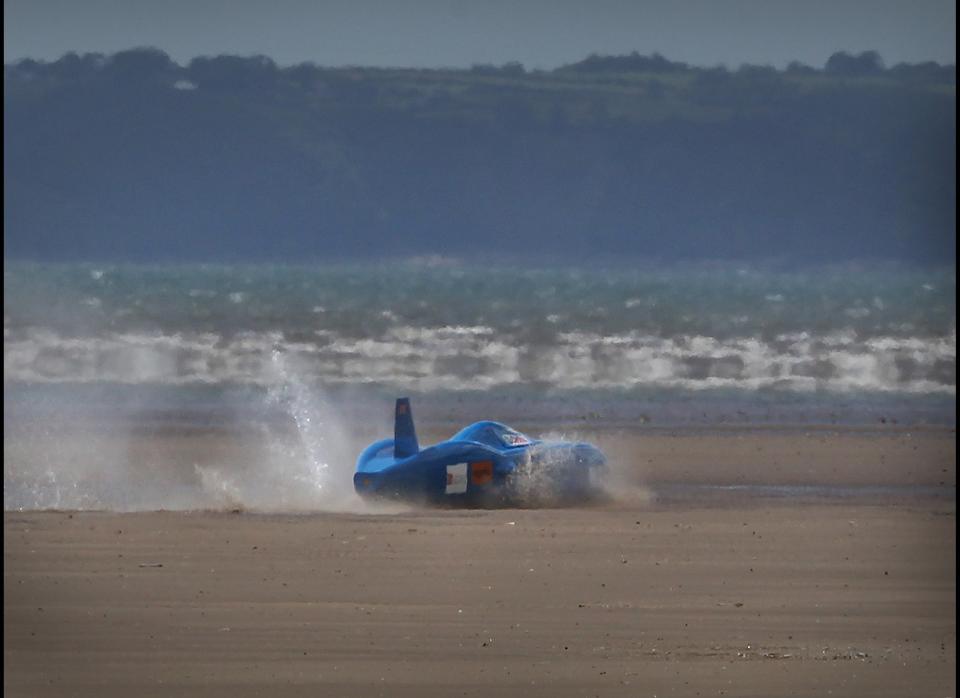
x=475, y=358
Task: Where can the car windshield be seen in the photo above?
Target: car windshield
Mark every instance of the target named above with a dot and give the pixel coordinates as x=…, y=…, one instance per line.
x=512, y=437
x=493, y=434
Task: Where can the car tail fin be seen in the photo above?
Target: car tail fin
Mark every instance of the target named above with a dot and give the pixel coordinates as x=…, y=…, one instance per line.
x=404, y=435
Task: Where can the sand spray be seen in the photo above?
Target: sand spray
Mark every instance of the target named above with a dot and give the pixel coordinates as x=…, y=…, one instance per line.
x=305, y=456
x=290, y=451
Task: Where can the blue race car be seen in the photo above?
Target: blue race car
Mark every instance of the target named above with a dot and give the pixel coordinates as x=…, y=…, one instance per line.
x=485, y=463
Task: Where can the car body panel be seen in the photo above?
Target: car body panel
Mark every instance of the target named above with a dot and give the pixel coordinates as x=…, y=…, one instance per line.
x=484, y=462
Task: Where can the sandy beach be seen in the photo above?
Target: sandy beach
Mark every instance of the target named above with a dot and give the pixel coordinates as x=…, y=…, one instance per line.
x=688, y=583
x=648, y=309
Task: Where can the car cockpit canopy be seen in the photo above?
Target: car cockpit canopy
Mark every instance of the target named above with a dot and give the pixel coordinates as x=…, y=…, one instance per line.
x=493, y=434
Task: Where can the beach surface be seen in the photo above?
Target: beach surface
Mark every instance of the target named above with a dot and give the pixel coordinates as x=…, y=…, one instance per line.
x=731, y=562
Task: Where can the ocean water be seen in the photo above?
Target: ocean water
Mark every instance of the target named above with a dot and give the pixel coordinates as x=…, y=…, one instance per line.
x=303, y=363
x=457, y=327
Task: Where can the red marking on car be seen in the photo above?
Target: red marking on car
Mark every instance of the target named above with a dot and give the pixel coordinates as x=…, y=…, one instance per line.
x=481, y=472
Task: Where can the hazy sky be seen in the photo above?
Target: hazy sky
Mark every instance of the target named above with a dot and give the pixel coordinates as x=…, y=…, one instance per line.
x=538, y=33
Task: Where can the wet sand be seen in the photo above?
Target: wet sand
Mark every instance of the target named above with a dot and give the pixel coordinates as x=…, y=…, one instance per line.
x=743, y=595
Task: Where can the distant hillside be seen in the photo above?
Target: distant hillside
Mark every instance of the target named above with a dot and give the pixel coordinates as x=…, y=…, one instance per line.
x=133, y=157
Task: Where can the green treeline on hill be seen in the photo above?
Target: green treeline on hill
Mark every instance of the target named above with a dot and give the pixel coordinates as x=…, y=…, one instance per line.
x=134, y=157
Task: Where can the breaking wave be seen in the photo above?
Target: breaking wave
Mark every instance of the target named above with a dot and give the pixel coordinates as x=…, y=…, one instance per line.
x=479, y=358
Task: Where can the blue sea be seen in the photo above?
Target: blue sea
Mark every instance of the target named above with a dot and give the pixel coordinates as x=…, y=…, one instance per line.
x=825, y=338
